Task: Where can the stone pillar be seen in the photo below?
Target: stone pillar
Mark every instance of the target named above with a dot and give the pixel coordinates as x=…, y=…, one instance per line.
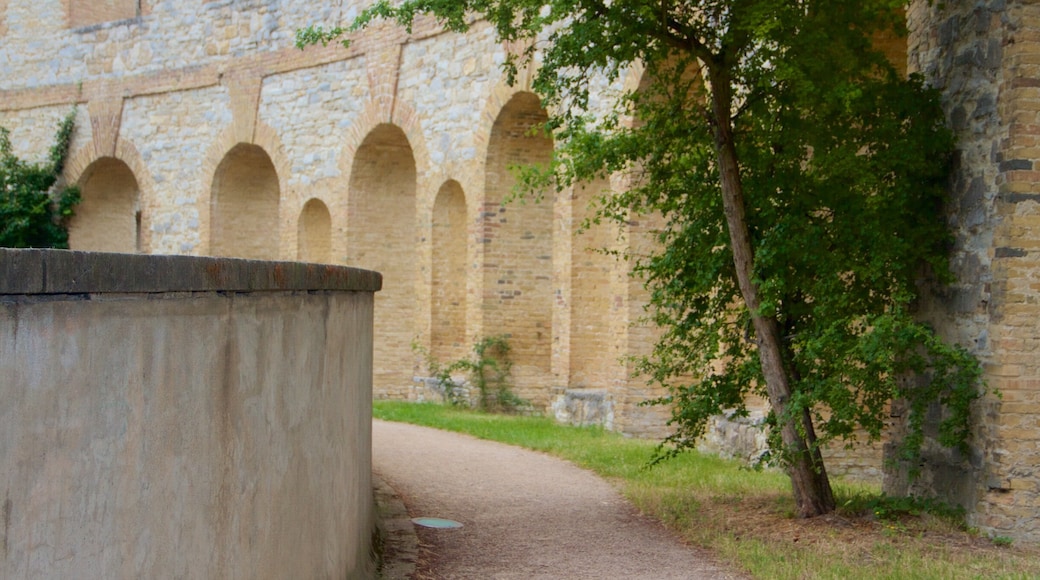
x=982, y=56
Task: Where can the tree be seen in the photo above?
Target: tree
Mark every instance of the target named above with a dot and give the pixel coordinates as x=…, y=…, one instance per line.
x=33, y=213
x=801, y=179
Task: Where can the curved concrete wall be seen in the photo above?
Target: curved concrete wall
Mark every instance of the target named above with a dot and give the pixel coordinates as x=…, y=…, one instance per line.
x=178, y=417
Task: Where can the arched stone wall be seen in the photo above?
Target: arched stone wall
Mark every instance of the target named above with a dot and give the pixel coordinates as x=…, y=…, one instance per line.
x=381, y=228
x=448, y=328
x=108, y=219
x=314, y=233
x=244, y=205
x=518, y=245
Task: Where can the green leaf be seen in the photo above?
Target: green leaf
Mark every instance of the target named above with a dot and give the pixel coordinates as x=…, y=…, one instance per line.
x=33, y=213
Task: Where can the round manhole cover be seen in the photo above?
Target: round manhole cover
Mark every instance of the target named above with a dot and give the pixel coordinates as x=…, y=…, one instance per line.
x=436, y=523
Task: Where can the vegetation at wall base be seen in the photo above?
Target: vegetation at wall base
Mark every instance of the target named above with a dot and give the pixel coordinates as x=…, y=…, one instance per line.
x=33, y=212
x=801, y=182
x=745, y=518
x=487, y=370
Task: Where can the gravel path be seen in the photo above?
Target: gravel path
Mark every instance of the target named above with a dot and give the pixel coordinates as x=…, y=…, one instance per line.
x=524, y=514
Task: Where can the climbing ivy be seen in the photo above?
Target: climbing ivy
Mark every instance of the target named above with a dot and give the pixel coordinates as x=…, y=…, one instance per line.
x=34, y=208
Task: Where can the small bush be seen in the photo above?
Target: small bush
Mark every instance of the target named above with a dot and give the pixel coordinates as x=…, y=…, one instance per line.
x=487, y=373
x=892, y=509
x=1002, y=541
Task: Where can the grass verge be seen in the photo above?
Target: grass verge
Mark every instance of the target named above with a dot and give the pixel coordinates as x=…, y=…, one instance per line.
x=746, y=517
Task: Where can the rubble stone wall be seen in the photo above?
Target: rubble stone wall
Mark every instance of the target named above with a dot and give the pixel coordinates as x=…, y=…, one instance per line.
x=984, y=58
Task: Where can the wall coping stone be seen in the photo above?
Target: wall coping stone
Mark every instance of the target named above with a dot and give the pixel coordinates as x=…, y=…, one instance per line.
x=38, y=271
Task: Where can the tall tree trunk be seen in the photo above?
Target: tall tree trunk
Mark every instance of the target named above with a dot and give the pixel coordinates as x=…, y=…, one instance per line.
x=811, y=487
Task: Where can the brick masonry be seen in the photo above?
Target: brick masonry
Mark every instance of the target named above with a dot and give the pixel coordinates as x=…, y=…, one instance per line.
x=393, y=155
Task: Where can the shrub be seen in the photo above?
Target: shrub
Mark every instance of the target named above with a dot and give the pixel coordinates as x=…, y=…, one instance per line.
x=34, y=209
x=486, y=370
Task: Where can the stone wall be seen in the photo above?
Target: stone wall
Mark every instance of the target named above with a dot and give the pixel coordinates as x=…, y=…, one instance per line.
x=178, y=417
x=983, y=56
x=392, y=155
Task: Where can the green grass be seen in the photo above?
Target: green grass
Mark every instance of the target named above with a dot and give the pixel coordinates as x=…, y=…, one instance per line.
x=607, y=453
x=745, y=517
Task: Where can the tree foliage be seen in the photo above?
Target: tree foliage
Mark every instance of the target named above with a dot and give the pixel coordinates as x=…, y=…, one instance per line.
x=801, y=180
x=33, y=213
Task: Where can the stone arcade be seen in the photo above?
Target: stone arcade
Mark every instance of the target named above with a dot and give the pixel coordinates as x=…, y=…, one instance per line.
x=202, y=131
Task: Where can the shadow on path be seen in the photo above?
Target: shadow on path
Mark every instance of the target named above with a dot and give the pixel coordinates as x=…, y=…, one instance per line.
x=524, y=514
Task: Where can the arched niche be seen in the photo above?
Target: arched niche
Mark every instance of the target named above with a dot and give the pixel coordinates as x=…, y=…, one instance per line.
x=314, y=233
x=108, y=218
x=518, y=241
x=381, y=236
x=448, y=332
x=245, y=196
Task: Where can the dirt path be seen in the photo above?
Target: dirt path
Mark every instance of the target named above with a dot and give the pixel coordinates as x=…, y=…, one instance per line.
x=524, y=514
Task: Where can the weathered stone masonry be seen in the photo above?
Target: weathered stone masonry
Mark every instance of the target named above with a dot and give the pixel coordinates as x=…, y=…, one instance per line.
x=986, y=58
x=201, y=130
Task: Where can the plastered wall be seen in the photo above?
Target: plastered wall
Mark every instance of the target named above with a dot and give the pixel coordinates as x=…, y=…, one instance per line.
x=180, y=417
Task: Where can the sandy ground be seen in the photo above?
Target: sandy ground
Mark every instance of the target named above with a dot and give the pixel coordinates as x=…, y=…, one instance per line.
x=524, y=514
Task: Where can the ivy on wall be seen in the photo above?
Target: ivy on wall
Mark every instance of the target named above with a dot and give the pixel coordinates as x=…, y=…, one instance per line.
x=35, y=207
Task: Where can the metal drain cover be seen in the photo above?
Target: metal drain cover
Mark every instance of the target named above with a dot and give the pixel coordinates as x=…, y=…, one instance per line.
x=436, y=523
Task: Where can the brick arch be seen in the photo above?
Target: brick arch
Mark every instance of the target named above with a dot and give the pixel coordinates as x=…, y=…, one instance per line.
x=125, y=152
x=107, y=218
x=224, y=142
x=407, y=120
x=265, y=138
x=314, y=232
x=244, y=203
x=404, y=118
x=382, y=235
x=518, y=273
x=468, y=178
x=449, y=237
